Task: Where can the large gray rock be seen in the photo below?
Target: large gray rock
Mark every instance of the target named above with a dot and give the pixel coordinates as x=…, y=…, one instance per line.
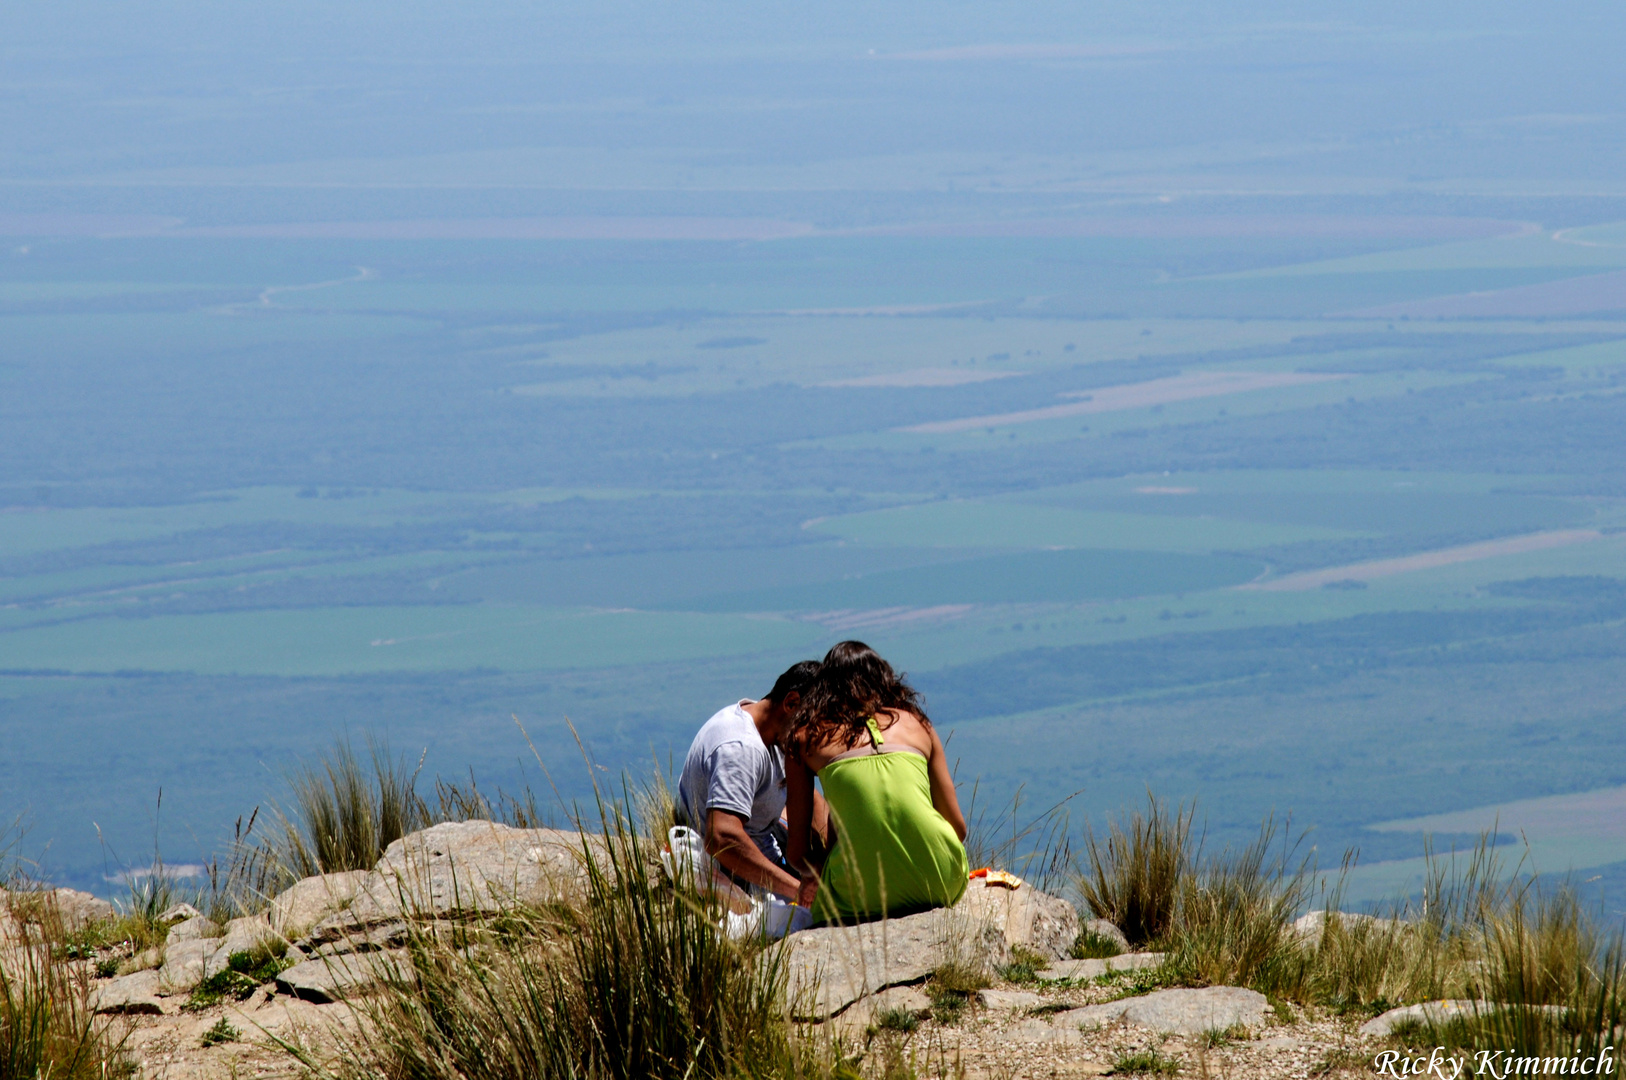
x=1094, y=969
x=832, y=967
x=1177, y=1012
x=1312, y=927
x=1045, y=924
x=242, y=935
x=829, y=968
x=458, y=869
x=78, y=909
x=305, y=903
x=1438, y=1012
x=193, y=929
x=73, y=908
x=132, y=994
x=141, y=961
x=335, y=978
x=184, y=963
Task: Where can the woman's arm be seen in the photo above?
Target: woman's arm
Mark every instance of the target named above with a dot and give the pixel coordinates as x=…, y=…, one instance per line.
x=798, y=813
x=944, y=800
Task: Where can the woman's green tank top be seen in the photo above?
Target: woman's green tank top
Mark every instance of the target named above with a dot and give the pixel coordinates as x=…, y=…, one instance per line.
x=894, y=854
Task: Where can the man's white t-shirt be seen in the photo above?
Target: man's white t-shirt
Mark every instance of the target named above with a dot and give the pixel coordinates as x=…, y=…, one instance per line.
x=730, y=768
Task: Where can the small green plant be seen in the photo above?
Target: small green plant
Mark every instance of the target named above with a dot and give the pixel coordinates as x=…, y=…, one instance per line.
x=948, y=1005
x=1214, y=1038
x=245, y=972
x=1092, y=946
x=902, y=1020
x=1141, y=981
x=107, y=967
x=1051, y=1008
x=1150, y=1062
x=1024, y=966
x=1282, y=1011
x=222, y=1032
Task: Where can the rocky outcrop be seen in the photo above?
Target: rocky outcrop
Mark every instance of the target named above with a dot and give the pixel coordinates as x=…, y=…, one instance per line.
x=1106, y=929
x=129, y=994
x=1039, y=922
x=75, y=909
x=305, y=903
x=1439, y=1012
x=178, y=914
x=459, y=869
x=1007, y=999
x=243, y=935
x=830, y=968
x=1176, y=1012
x=185, y=963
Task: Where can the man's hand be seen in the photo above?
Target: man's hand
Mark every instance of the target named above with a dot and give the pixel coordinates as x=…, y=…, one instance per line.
x=729, y=843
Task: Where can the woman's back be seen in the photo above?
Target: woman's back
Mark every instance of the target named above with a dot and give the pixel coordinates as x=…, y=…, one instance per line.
x=896, y=852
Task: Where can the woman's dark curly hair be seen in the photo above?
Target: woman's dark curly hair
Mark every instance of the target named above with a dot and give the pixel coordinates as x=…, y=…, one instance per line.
x=854, y=684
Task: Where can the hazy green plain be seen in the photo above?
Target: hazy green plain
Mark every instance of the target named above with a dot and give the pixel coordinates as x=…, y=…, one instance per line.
x=627, y=483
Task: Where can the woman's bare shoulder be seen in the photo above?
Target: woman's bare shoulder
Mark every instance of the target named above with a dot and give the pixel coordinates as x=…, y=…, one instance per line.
x=907, y=727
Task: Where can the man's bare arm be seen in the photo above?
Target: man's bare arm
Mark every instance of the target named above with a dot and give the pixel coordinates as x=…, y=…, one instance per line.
x=729, y=843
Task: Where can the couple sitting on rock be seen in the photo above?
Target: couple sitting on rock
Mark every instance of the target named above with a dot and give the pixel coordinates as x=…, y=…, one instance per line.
x=886, y=836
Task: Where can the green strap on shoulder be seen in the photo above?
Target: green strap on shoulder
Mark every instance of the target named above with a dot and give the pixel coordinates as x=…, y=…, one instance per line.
x=875, y=732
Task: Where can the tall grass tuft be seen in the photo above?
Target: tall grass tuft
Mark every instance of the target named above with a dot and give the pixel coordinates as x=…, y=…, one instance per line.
x=46, y=1026
x=1134, y=879
x=1552, y=985
x=633, y=978
x=1232, y=917
x=346, y=812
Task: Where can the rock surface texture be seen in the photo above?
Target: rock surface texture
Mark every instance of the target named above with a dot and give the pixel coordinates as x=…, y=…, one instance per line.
x=305, y=903
x=832, y=967
x=1178, y=1012
x=131, y=994
x=1094, y=969
x=334, y=978
x=1047, y=925
x=185, y=963
x=459, y=869
x=74, y=908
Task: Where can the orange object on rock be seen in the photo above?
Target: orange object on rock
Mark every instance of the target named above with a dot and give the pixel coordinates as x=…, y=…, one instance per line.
x=990, y=876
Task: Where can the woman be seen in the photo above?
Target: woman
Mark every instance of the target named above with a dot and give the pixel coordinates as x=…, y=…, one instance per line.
x=898, y=828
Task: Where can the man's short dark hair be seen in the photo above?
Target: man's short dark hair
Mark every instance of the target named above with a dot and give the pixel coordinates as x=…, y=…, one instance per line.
x=796, y=679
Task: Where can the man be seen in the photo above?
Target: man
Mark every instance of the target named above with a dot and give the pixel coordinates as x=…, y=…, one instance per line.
x=732, y=789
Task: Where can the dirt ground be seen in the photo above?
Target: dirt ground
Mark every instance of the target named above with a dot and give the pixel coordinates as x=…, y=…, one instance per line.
x=980, y=1044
